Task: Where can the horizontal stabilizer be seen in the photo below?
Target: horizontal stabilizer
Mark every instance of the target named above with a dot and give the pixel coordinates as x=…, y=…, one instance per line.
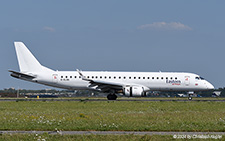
x=21, y=75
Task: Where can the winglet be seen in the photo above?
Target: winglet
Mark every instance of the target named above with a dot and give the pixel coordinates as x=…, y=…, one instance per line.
x=82, y=76
x=80, y=73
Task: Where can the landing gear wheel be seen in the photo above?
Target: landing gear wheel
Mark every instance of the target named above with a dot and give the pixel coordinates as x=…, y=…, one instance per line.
x=111, y=97
x=190, y=98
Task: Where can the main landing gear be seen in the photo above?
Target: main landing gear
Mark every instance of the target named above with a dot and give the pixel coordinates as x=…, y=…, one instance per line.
x=111, y=96
x=189, y=98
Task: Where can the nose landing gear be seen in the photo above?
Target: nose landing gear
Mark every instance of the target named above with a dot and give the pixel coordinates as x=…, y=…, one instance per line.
x=189, y=98
x=190, y=94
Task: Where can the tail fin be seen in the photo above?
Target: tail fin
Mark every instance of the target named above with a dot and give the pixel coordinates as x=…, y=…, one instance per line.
x=27, y=62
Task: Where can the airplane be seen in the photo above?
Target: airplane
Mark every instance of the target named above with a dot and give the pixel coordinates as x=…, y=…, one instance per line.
x=130, y=84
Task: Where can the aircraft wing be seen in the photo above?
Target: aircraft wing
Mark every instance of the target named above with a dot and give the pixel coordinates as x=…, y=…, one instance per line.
x=106, y=86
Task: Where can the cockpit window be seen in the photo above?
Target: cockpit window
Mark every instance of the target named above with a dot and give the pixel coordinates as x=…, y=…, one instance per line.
x=199, y=78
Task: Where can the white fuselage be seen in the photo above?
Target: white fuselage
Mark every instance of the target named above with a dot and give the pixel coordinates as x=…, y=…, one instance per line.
x=153, y=81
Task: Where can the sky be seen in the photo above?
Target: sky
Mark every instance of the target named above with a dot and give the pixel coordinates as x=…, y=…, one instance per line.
x=128, y=35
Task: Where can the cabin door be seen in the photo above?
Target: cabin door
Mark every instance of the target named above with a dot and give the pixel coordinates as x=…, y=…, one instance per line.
x=187, y=80
x=55, y=78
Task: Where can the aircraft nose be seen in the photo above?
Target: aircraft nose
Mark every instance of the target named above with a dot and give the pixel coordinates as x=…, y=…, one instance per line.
x=210, y=86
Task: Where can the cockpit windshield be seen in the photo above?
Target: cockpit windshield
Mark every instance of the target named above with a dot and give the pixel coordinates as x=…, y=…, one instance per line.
x=199, y=78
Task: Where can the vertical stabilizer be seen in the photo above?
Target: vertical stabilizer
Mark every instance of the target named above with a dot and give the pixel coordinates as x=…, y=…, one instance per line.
x=27, y=62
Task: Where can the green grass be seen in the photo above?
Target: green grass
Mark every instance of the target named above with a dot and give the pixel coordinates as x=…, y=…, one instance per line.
x=113, y=115
x=46, y=137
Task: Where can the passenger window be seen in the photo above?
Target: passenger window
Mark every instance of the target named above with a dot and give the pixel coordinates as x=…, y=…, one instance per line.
x=114, y=77
x=157, y=77
x=129, y=77
x=175, y=77
x=152, y=77
x=92, y=77
x=171, y=77
x=87, y=76
x=75, y=76
x=61, y=76
x=119, y=77
x=109, y=77
x=134, y=77
x=166, y=77
x=148, y=77
x=139, y=77
x=101, y=77
x=66, y=76
x=96, y=77
x=143, y=77
x=105, y=77
x=79, y=76
x=161, y=77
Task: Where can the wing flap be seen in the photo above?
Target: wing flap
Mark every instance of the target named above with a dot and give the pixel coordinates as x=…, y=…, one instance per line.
x=104, y=85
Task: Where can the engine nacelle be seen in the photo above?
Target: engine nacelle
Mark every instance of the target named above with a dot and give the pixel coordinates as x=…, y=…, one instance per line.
x=135, y=91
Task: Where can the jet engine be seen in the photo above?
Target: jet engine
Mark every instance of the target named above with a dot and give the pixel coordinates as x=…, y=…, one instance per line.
x=135, y=91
